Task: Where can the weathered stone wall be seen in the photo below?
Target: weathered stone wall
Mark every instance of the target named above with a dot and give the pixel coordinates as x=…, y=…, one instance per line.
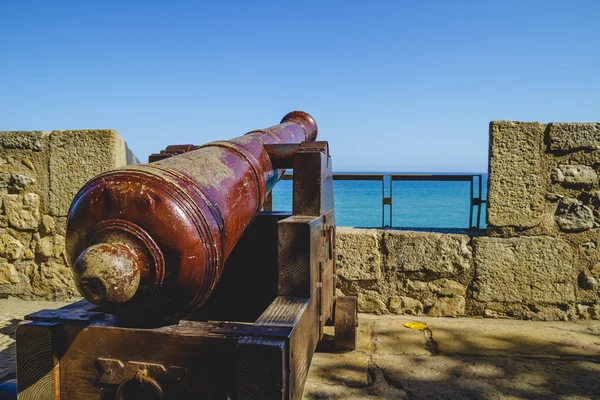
x=540, y=260
x=543, y=219
x=405, y=272
x=449, y=275
x=40, y=172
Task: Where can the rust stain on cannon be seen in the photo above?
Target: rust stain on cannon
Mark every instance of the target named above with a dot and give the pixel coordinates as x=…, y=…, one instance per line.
x=151, y=240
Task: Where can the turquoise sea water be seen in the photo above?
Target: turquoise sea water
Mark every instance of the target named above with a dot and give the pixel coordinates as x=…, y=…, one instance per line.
x=416, y=204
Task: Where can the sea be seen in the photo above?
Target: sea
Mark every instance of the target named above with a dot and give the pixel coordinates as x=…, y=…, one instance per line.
x=415, y=204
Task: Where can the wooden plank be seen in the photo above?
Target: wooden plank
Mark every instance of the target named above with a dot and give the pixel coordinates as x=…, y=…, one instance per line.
x=303, y=342
x=37, y=366
x=261, y=369
x=300, y=248
x=284, y=311
x=302, y=314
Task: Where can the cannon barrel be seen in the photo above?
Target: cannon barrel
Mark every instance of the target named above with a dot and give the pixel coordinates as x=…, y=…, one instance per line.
x=151, y=240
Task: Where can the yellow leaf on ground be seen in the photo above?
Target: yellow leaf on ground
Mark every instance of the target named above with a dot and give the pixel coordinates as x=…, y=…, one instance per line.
x=415, y=325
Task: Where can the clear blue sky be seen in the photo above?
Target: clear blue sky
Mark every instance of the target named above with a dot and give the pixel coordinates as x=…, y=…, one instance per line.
x=394, y=85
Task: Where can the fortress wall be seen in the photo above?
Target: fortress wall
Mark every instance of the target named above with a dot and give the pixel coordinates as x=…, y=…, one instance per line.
x=40, y=172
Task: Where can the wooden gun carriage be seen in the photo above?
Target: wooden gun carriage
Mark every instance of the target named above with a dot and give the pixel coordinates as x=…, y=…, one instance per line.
x=193, y=292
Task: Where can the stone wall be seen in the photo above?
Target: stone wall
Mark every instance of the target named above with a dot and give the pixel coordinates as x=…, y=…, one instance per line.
x=540, y=259
x=543, y=216
x=40, y=172
x=450, y=275
x=405, y=272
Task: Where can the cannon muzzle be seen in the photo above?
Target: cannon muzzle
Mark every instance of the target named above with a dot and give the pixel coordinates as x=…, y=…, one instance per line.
x=151, y=240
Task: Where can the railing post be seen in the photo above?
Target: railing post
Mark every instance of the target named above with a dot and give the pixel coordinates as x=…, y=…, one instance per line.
x=480, y=202
x=472, y=204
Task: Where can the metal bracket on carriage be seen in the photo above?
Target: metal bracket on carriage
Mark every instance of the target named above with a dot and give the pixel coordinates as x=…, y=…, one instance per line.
x=282, y=155
x=114, y=371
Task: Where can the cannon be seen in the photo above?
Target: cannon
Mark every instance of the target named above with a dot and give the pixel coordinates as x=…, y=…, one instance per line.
x=193, y=287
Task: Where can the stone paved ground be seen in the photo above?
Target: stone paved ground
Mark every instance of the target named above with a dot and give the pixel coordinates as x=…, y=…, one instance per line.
x=462, y=358
x=458, y=358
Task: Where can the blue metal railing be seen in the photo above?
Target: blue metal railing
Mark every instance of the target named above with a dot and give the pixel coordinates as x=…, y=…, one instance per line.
x=475, y=182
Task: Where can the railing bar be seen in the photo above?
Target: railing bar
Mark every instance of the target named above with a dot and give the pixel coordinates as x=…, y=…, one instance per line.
x=464, y=178
x=382, y=203
x=480, y=202
x=391, y=203
x=471, y=205
x=379, y=177
x=357, y=177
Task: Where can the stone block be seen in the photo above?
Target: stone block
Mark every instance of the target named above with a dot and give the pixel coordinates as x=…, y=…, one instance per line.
x=570, y=137
x=517, y=186
x=10, y=248
x=434, y=253
x=50, y=246
x=358, y=255
x=526, y=270
x=572, y=216
x=372, y=303
x=574, y=175
x=395, y=305
x=447, y=287
x=15, y=278
x=48, y=225
x=22, y=182
x=25, y=171
x=75, y=158
x=411, y=306
x=448, y=307
x=23, y=140
x=54, y=281
x=8, y=274
x=23, y=211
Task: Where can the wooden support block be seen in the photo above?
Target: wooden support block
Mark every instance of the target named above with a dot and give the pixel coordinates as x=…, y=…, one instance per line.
x=37, y=364
x=313, y=180
x=300, y=249
x=302, y=314
x=261, y=369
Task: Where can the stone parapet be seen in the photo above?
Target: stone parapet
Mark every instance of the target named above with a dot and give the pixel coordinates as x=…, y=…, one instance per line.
x=40, y=172
x=404, y=272
x=449, y=275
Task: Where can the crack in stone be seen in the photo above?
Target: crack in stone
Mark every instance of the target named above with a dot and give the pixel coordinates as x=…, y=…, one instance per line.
x=430, y=344
x=377, y=374
x=391, y=382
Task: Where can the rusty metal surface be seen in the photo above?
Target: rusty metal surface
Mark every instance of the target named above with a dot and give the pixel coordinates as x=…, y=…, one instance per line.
x=168, y=227
x=171, y=151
